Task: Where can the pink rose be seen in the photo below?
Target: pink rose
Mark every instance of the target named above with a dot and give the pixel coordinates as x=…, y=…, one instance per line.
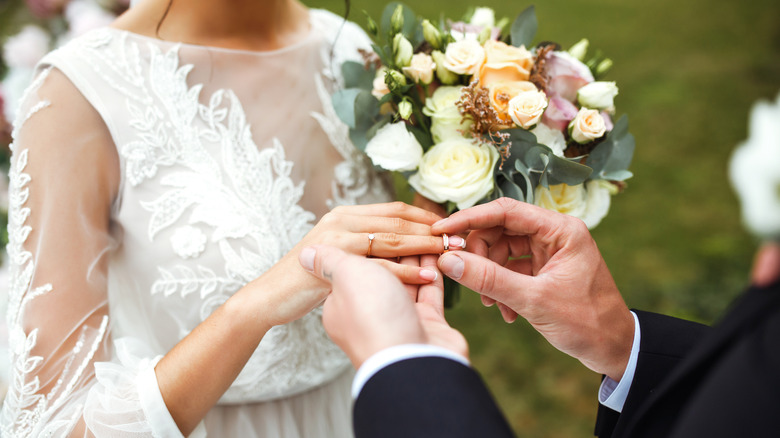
x=607, y=121
x=567, y=75
x=559, y=113
x=45, y=8
x=460, y=31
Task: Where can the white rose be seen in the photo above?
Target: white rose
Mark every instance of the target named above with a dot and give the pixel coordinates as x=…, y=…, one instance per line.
x=587, y=126
x=456, y=170
x=464, y=57
x=484, y=17
x=394, y=148
x=421, y=69
x=589, y=202
x=552, y=138
x=754, y=171
x=527, y=108
x=379, y=84
x=26, y=48
x=446, y=120
x=598, y=95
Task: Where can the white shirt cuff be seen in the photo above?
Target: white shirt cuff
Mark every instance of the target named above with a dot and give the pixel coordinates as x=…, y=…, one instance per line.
x=613, y=394
x=395, y=354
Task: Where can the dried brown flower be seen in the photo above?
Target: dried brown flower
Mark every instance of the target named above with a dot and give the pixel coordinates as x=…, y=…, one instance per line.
x=474, y=104
x=370, y=59
x=538, y=74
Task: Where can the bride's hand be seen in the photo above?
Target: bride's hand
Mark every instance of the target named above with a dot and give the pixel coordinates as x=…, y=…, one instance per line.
x=286, y=292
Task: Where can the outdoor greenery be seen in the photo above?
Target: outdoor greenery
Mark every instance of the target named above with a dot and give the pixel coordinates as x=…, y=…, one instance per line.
x=688, y=74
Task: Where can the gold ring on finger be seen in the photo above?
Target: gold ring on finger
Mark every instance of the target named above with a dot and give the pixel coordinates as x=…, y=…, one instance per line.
x=446, y=240
x=370, y=242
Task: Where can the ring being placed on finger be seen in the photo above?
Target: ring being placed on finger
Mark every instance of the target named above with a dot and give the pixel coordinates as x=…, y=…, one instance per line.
x=370, y=242
x=446, y=240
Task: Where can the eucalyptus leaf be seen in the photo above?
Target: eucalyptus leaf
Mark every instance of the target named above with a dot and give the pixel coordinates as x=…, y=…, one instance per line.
x=563, y=171
x=344, y=105
x=359, y=139
x=356, y=75
x=524, y=28
x=512, y=190
x=366, y=109
x=613, y=155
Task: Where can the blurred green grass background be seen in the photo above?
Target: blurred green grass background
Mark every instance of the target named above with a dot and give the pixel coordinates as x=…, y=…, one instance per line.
x=688, y=73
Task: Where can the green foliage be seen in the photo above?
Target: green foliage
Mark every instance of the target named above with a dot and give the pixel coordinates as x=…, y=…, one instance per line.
x=611, y=158
x=524, y=28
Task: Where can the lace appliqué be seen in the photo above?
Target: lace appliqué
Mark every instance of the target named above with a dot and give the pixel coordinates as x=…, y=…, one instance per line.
x=26, y=411
x=211, y=176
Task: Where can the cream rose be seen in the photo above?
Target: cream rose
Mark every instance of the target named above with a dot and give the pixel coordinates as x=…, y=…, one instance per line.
x=446, y=120
x=598, y=95
x=587, y=126
x=589, y=202
x=456, y=170
x=505, y=63
x=379, y=84
x=501, y=93
x=464, y=57
x=394, y=148
x=526, y=108
x=421, y=69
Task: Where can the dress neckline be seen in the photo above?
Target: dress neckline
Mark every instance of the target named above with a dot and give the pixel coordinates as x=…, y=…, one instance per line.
x=304, y=41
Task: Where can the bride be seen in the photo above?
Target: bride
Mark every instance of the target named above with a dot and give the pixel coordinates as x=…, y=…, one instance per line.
x=166, y=172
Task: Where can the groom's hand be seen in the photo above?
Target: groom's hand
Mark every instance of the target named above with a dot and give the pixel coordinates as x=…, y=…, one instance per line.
x=545, y=267
x=369, y=309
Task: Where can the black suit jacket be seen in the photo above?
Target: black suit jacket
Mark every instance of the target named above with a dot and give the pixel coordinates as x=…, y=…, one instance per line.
x=690, y=381
x=693, y=381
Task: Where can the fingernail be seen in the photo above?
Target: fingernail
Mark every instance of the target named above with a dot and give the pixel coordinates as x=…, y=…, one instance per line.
x=452, y=266
x=306, y=257
x=427, y=274
x=439, y=222
x=457, y=241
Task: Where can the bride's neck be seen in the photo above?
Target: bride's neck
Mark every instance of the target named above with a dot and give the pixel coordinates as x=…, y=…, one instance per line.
x=237, y=24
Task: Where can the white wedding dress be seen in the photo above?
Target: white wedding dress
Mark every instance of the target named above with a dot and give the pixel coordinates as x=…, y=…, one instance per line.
x=150, y=181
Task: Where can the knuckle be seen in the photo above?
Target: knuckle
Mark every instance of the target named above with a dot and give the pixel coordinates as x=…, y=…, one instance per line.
x=400, y=225
x=399, y=206
x=392, y=240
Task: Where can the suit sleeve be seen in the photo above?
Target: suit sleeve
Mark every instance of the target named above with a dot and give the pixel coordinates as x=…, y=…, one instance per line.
x=665, y=343
x=427, y=397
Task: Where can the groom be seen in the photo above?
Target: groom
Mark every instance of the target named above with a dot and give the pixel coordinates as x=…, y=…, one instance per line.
x=663, y=376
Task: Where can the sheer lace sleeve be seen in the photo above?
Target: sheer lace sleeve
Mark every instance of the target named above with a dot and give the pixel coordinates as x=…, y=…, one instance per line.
x=63, y=181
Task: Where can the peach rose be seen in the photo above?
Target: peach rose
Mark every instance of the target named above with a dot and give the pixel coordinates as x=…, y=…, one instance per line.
x=505, y=63
x=526, y=108
x=502, y=92
x=587, y=126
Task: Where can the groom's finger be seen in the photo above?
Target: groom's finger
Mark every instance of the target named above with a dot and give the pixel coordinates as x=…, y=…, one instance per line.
x=518, y=217
x=323, y=261
x=433, y=293
x=486, y=277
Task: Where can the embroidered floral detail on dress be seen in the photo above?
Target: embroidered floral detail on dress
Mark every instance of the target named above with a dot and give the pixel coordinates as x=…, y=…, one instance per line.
x=188, y=242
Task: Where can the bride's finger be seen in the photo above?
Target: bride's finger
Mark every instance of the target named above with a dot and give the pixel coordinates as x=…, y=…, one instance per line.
x=391, y=209
x=376, y=224
x=408, y=274
x=411, y=289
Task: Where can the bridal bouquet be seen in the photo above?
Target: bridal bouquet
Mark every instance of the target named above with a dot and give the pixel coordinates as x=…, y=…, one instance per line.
x=470, y=111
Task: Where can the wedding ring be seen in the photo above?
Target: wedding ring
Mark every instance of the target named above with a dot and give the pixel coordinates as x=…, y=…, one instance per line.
x=370, y=242
x=446, y=239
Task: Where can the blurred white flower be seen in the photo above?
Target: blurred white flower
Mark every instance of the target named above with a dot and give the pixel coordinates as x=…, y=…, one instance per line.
x=552, y=138
x=85, y=15
x=484, y=17
x=394, y=148
x=755, y=171
x=26, y=48
x=589, y=201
